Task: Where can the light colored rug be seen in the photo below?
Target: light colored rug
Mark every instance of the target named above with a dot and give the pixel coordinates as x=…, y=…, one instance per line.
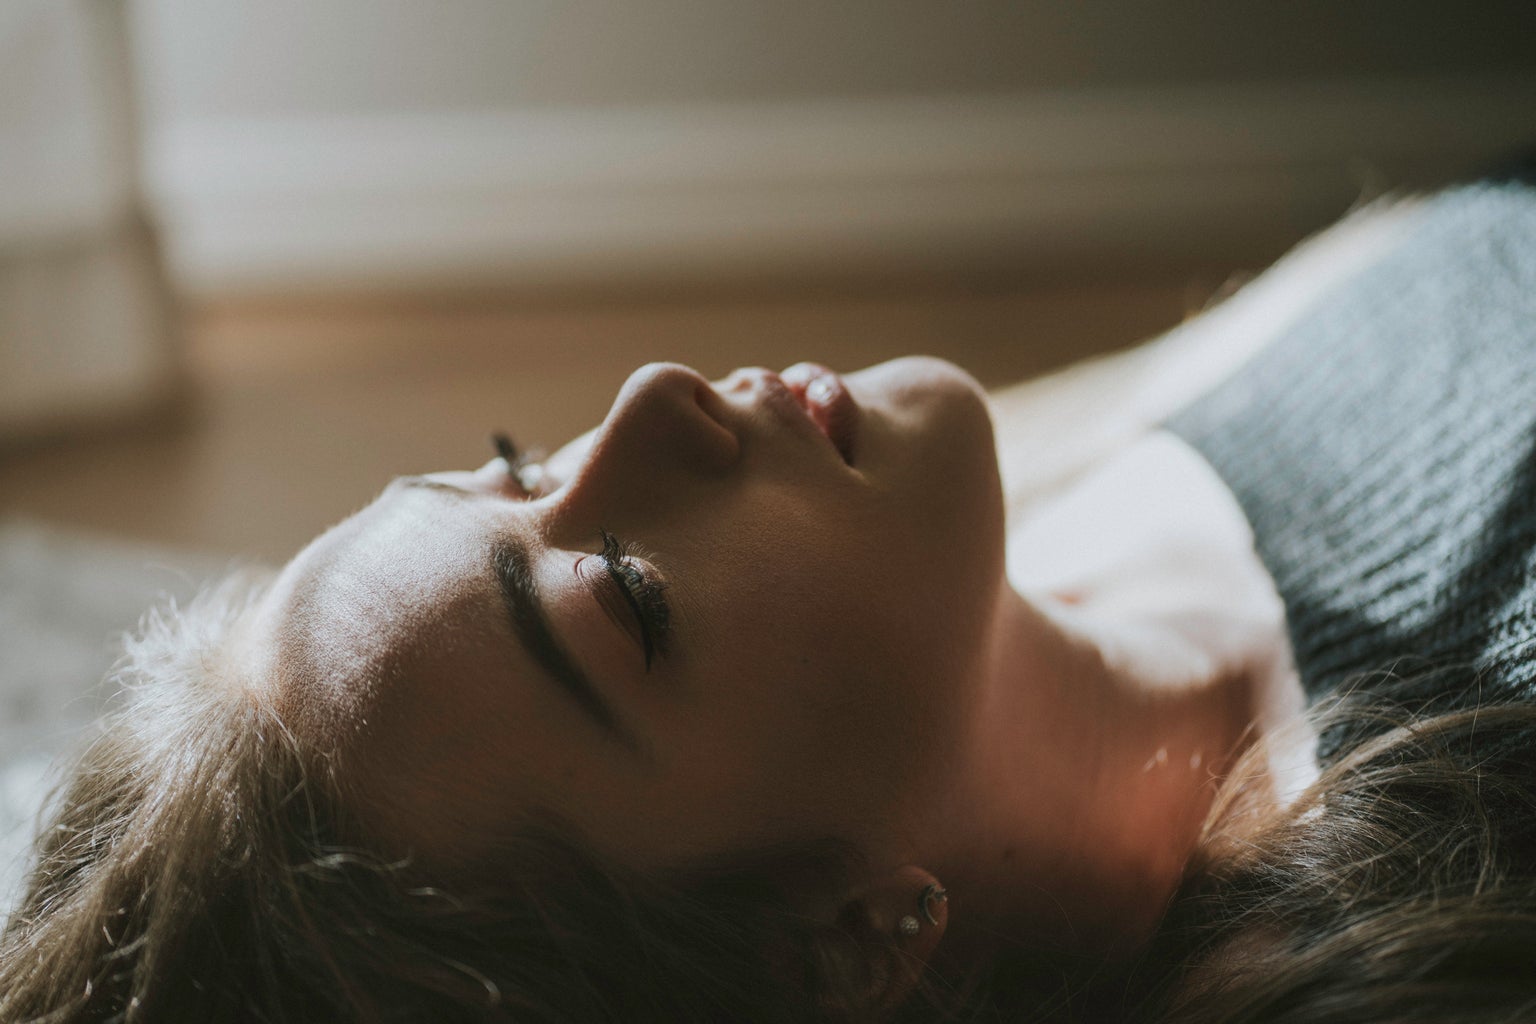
x=65, y=599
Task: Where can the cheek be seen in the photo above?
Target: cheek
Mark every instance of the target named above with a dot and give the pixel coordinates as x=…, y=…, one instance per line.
x=827, y=711
x=847, y=605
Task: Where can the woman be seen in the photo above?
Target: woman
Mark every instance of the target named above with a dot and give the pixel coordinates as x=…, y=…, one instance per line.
x=790, y=696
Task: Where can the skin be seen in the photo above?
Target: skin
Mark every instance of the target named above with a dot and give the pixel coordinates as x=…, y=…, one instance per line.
x=846, y=659
x=770, y=546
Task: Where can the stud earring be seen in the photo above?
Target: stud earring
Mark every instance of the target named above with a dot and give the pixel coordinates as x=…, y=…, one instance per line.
x=908, y=925
x=931, y=895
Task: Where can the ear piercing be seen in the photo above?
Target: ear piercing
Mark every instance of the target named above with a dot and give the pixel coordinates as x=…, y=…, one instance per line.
x=909, y=924
x=931, y=895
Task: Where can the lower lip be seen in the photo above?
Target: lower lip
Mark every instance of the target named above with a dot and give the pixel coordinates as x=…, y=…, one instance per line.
x=828, y=403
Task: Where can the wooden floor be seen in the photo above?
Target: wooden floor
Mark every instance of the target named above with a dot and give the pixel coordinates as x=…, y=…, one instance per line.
x=298, y=411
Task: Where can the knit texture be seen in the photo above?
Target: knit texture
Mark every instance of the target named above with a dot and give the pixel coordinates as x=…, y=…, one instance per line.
x=1384, y=451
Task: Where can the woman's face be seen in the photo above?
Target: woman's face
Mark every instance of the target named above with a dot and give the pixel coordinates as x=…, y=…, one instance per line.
x=813, y=602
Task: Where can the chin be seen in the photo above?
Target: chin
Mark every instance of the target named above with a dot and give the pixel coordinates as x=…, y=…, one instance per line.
x=929, y=411
x=918, y=378
x=934, y=450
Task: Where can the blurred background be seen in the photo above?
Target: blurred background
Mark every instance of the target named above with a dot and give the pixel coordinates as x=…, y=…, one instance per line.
x=257, y=258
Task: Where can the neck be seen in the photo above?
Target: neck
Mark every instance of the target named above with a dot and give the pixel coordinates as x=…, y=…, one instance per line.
x=1085, y=785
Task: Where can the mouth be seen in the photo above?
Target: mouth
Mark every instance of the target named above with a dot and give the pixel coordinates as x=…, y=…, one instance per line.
x=827, y=402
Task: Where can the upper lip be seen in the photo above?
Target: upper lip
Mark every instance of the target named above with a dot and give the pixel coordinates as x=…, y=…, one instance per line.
x=824, y=397
x=808, y=394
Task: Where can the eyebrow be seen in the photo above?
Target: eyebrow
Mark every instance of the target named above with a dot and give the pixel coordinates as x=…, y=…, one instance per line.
x=426, y=483
x=520, y=595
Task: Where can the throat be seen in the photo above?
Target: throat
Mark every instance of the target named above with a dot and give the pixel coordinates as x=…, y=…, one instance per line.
x=1098, y=779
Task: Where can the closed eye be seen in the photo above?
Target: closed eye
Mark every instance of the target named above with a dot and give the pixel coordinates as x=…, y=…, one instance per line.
x=520, y=595
x=642, y=590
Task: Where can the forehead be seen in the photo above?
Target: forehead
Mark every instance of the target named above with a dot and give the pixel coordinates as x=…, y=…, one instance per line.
x=370, y=594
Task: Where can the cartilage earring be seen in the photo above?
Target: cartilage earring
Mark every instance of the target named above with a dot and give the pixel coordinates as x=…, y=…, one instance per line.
x=908, y=925
x=505, y=448
x=931, y=895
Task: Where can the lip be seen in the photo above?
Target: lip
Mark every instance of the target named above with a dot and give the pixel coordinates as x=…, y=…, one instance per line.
x=828, y=403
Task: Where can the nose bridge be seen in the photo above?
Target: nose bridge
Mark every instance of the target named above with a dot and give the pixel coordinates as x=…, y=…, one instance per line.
x=666, y=425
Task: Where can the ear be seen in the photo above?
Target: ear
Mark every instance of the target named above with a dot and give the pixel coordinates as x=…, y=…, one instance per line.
x=906, y=911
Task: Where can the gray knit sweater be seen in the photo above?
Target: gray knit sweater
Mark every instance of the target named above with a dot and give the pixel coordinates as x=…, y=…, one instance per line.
x=1384, y=451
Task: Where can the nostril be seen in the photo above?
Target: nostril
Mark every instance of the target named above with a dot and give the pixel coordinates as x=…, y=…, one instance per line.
x=674, y=401
x=709, y=398
x=721, y=440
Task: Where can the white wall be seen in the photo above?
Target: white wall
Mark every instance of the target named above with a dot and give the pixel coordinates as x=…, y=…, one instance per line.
x=363, y=143
x=281, y=58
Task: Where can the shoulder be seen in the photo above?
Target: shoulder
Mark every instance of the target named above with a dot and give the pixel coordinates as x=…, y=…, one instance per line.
x=1151, y=534
x=1053, y=429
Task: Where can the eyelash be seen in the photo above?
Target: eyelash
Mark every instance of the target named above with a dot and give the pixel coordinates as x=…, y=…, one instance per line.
x=642, y=591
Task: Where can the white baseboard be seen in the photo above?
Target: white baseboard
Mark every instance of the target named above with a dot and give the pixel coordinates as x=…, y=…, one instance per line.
x=890, y=184
x=87, y=334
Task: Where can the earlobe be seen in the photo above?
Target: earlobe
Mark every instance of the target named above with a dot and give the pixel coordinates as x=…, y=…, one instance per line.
x=909, y=909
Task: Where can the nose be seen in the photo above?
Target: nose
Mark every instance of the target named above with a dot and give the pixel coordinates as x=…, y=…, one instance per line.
x=667, y=423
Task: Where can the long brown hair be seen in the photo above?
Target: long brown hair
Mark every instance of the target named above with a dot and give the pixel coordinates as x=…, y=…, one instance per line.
x=1401, y=886
x=202, y=866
